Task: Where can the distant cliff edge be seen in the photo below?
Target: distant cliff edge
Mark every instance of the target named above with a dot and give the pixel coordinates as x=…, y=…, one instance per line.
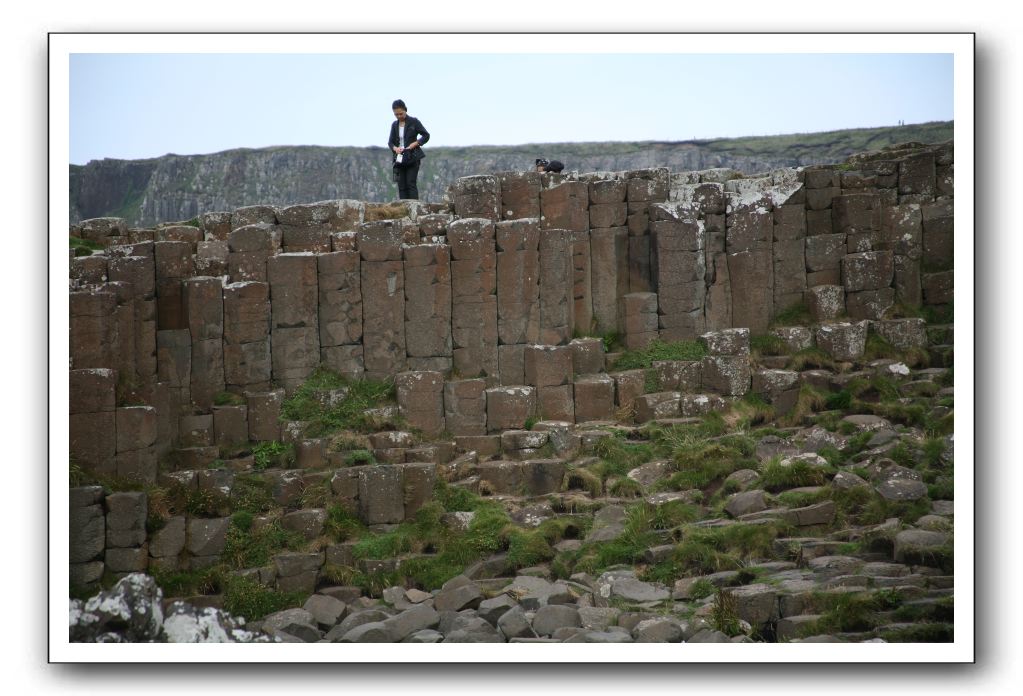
x=176, y=187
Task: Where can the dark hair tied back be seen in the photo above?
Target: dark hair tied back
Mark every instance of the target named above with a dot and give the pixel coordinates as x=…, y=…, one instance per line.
x=399, y=104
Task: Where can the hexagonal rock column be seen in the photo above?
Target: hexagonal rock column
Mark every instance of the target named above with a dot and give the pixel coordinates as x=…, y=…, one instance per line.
x=556, y=281
x=465, y=407
x=549, y=369
x=87, y=535
x=778, y=387
x=174, y=262
x=473, y=297
x=477, y=197
x=509, y=407
x=294, y=323
x=844, y=341
x=264, y=411
x=594, y=398
x=520, y=195
x=518, y=281
x=203, y=305
x=136, y=428
x=726, y=369
x=249, y=247
x=92, y=427
x=825, y=302
x=381, y=496
x=679, y=267
x=639, y=319
x=565, y=206
x=421, y=400
x=428, y=303
x=247, y=365
x=93, y=337
x=339, y=288
x=582, y=300
x=383, y=296
x=789, y=250
x=609, y=274
x=867, y=278
x=902, y=233
x=903, y=333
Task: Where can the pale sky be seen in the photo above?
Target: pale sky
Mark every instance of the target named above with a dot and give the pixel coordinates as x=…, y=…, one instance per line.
x=134, y=105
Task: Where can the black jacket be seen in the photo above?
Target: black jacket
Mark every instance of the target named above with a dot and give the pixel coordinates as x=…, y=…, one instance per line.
x=414, y=130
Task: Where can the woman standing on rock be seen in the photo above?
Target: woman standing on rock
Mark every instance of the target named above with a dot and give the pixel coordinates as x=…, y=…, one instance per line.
x=406, y=142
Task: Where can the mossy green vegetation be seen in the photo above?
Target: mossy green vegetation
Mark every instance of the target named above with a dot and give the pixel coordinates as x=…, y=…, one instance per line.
x=330, y=402
x=659, y=350
x=83, y=247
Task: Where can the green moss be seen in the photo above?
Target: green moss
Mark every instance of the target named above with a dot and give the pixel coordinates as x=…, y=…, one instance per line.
x=359, y=457
x=349, y=413
x=342, y=524
x=248, y=549
x=267, y=455
x=775, y=477
x=83, y=247
x=659, y=350
x=226, y=398
x=251, y=494
x=246, y=597
x=795, y=315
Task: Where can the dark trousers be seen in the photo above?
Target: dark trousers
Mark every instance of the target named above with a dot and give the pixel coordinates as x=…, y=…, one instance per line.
x=406, y=178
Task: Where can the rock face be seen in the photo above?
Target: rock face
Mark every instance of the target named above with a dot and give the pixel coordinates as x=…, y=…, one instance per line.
x=155, y=188
x=131, y=613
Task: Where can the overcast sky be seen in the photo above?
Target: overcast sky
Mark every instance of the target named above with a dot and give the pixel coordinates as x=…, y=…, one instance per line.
x=135, y=105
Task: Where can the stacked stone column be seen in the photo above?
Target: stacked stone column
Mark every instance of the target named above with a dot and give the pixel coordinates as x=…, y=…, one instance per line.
x=474, y=329
x=726, y=368
x=749, y=239
x=204, y=313
x=87, y=535
x=518, y=294
x=139, y=271
x=93, y=435
x=789, y=251
x=383, y=299
x=294, y=325
x=643, y=188
x=902, y=234
x=126, y=547
x=858, y=217
x=938, y=249
x=477, y=197
x=620, y=263
x=249, y=248
x=247, y=364
x=549, y=369
x=309, y=227
x=339, y=285
x=421, y=400
x=428, y=307
x=824, y=247
x=639, y=319
x=520, y=195
x=556, y=287
x=680, y=266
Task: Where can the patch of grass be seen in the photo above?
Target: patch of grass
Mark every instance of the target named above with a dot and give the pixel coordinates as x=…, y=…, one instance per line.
x=724, y=614
x=342, y=524
x=775, y=477
x=619, y=457
x=275, y=454
x=811, y=358
x=845, y=612
x=359, y=457
x=585, y=479
x=226, y=398
x=659, y=350
x=530, y=422
x=750, y=410
x=349, y=413
x=767, y=344
x=528, y=548
x=251, y=494
x=624, y=487
x=810, y=400
x=246, y=597
x=83, y=247
x=454, y=499
x=704, y=465
x=702, y=588
x=248, y=549
x=939, y=314
x=190, y=582
x=794, y=315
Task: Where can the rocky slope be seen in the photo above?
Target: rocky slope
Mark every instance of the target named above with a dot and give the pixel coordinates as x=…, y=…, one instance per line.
x=175, y=187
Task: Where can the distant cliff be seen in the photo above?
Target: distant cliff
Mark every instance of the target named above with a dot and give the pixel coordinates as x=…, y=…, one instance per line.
x=176, y=187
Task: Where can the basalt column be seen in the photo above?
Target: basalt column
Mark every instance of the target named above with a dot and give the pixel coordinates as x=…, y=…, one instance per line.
x=294, y=332
x=473, y=297
x=518, y=294
x=428, y=307
x=339, y=284
x=247, y=336
x=204, y=313
x=383, y=299
x=679, y=269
